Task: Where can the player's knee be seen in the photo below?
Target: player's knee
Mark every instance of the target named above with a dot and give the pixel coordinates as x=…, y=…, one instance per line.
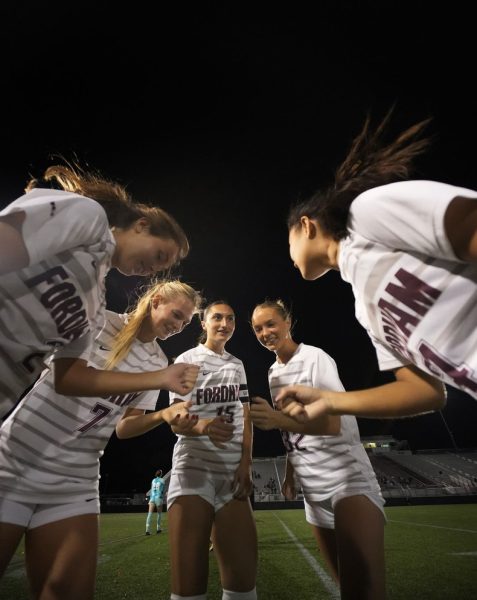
x=229, y=595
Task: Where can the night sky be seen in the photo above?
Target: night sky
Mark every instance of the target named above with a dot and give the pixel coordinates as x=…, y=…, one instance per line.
x=225, y=115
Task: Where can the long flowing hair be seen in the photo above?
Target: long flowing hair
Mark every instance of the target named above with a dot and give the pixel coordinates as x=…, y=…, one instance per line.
x=119, y=206
x=369, y=163
x=168, y=290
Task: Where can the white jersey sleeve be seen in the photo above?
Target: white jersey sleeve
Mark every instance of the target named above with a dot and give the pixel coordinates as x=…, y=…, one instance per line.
x=56, y=221
x=324, y=372
x=407, y=215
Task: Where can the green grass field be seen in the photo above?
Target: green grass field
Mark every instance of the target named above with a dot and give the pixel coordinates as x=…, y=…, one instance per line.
x=431, y=553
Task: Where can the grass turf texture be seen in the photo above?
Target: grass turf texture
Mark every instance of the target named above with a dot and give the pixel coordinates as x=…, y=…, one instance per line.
x=431, y=552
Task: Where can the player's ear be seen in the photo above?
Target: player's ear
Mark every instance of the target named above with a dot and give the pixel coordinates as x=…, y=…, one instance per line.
x=308, y=226
x=141, y=225
x=156, y=300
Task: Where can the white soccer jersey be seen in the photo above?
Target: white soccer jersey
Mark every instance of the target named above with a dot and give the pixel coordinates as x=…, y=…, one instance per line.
x=157, y=489
x=417, y=301
x=324, y=465
x=51, y=444
x=52, y=305
x=221, y=389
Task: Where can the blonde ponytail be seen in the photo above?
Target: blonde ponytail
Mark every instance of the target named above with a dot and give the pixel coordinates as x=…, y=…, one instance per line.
x=168, y=290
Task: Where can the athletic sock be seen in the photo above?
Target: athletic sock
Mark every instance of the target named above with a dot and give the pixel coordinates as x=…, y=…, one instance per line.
x=229, y=595
x=148, y=522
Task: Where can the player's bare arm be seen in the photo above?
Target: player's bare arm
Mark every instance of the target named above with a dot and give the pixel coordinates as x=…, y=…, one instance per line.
x=242, y=483
x=264, y=417
x=218, y=429
x=135, y=422
x=292, y=402
x=288, y=485
x=73, y=377
x=413, y=393
x=460, y=224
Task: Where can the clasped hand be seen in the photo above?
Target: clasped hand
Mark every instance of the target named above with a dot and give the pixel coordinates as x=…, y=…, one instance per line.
x=181, y=378
x=301, y=402
x=219, y=431
x=262, y=414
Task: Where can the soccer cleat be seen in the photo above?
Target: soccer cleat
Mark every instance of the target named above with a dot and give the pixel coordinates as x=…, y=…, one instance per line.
x=159, y=531
x=148, y=533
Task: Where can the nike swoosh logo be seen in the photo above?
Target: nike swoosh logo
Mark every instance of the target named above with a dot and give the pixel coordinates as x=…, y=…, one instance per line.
x=90, y=499
x=104, y=348
x=206, y=372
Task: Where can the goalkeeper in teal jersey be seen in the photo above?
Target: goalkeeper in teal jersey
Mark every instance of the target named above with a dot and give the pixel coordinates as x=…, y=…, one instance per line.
x=155, y=501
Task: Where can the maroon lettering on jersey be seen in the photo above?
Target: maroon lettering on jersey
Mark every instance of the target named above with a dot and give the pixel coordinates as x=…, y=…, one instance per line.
x=398, y=323
x=416, y=294
x=123, y=399
x=59, y=296
x=401, y=319
x=438, y=364
x=217, y=393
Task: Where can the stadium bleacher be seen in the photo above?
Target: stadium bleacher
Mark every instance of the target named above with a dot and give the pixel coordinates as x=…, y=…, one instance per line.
x=404, y=477
x=401, y=473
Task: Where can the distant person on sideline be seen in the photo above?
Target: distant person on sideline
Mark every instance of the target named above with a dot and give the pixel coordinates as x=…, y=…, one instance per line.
x=51, y=445
x=409, y=251
x=326, y=459
x=155, y=495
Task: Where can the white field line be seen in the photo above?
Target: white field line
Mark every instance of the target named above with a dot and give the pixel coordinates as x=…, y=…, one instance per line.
x=432, y=526
x=327, y=581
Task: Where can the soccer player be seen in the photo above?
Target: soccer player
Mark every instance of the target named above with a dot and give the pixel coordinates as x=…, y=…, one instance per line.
x=343, y=501
x=50, y=446
x=409, y=251
x=155, y=495
x=211, y=479
x=56, y=246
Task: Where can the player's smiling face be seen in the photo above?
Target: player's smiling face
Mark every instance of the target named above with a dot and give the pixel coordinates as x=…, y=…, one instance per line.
x=270, y=328
x=138, y=252
x=219, y=324
x=168, y=317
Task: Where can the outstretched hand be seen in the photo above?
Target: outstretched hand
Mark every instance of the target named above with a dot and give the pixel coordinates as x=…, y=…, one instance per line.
x=262, y=414
x=180, y=378
x=179, y=417
x=301, y=402
x=220, y=431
